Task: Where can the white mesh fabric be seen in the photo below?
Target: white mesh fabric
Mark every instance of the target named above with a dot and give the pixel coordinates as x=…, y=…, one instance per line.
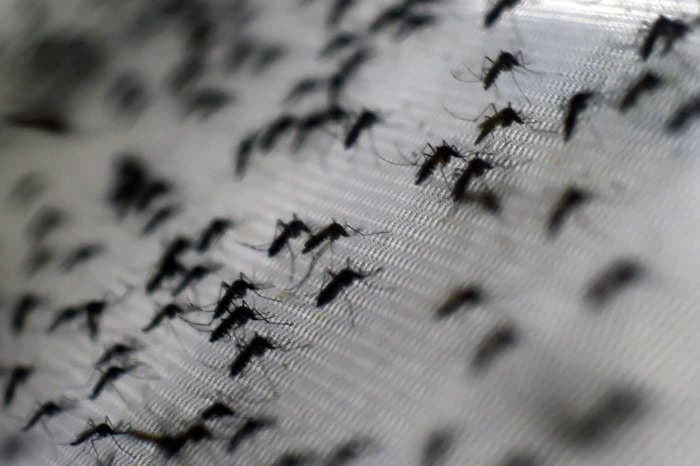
x=375, y=363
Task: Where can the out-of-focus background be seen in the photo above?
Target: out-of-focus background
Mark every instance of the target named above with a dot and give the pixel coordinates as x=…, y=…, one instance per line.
x=128, y=124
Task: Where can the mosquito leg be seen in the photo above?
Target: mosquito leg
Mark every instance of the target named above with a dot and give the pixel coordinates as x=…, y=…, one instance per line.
x=122, y=448
x=292, y=267
x=517, y=84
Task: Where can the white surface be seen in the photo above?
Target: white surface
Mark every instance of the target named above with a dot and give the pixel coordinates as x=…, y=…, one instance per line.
x=397, y=374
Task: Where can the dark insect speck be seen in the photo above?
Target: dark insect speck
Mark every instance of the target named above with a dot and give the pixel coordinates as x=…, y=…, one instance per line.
x=364, y=122
x=241, y=51
x=117, y=351
x=666, y=29
x=244, y=151
x=268, y=55
x=413, y=23
x=45, y=222
x=193, y=275
x=169, y=264
x=347, y=69
x=81, y=254
x=46, y=410
x=28, y=188
x=64, y=316
x=102, y=430
x=613, y=410
x=93, y=314
x=64, y=56
x=249, y=428
x=470, y=295
x=109, y=376
x=436, y=447
x=297, y=458
x=687, y=111
x=572, y=199
x=317, y=119
x=289, y=230
x=217, y=410
x=348, y=451
x=576, y=105
x=38, y=258
x=338, y=43
x=614, y=278
x=498, y=340
x=340, y=281
x=390, y=16
x=476, y=168
x=330, y=233
x=497, y=9
x=159, y=217
x=213, y=232
x=153, y=189
x=25, y=304
x=487, y=199
x=187, y=72
x=646, y=83
x=18, y=376
x=206, y=101
x=129, y=182
x=52, y=122
x=57, y=66
x=502, y=118
x=129, y=93
x=169, y=311
x=276, y=129
x=255, y=348
x=436, y=157
x=171, y=444
x=338, y=10
x=520, y=457
x=492, y=68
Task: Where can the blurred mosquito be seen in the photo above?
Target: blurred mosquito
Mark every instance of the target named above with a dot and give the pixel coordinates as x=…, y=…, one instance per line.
x=285, y=231
x=324, y=238
x=491, y=69
x=96, y=432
